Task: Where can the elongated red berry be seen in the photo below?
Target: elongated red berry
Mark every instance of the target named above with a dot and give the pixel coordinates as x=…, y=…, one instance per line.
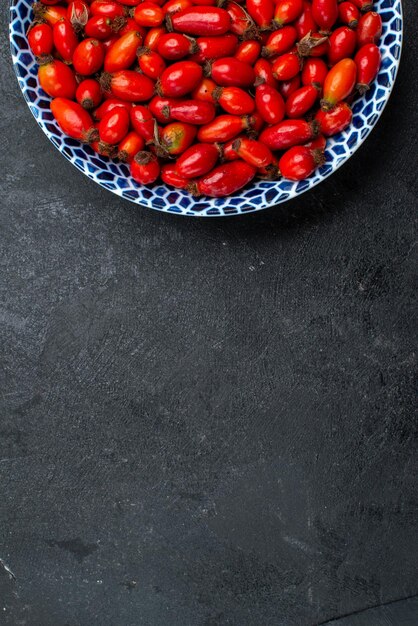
x=224, y=180
x=367, y=60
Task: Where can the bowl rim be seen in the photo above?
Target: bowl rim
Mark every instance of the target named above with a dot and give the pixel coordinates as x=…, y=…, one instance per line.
x=211, y=208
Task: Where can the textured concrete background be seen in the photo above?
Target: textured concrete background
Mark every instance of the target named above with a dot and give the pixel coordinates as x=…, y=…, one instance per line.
x=207, y=422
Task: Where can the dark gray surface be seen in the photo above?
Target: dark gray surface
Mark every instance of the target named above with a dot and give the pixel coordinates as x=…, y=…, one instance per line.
x=207, y=422
x=402, y=613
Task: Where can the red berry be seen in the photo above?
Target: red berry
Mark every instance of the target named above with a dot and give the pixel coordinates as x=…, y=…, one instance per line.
x=299, y=162
x=40, y=39
x=224, y=179
x=145, y=168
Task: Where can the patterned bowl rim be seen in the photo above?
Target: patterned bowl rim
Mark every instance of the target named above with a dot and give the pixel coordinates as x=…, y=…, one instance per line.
x=230, y=205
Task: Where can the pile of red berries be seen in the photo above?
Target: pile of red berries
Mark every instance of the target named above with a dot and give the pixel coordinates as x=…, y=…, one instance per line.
x=206, y=94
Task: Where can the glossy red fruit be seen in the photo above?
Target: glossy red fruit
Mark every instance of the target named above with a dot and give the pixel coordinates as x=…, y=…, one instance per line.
x=109, y=105
x=368, y=60
x=170, y=176
x=325, y=13
x=224, y=180
x=143, y=122
x=313, y=45
x=88, y=57
x=159, y=107
x=261, y=11
x=248, y=51
x=108, y=8
x=241, y=23
x=40, y=39
x=153, y=36
x=78, y=13
x=99, y=27
x=229, y=72
x=114, y=126
x=369, y=29
x=205, y=90
x=192, y=111
x=305, y=23
x=314, y=72
x=175, y=46
x=319, y=143
x=270, y=104
x=342, y=43
x=339, y=83
x=287, y=87
x=301, y=101
x=334, y=121
x=209, y=48
x=145, y=168
x=253, y=152
x=89, y=93
x=180, y=78
x=234, y=100
x=73, y=120
x=123, y=52
x=286, y=66
x=49, y=14
x=148, y=14
x=364, y=5
x=288, y=133
x=201, y=21
x=65, y=39
x=197, y=160
x=264, y=73
x=128, y=85
x=348, y=14
x=299, y=162
x=56, y=78
x=226, y=150
x=223, y=128
x=175, y=138
x=150, y=63
x=174, y=6
x=280, y=41
x=287, y=11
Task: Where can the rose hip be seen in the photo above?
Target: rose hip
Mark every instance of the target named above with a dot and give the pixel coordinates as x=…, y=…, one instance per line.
x=367, y=60
x=348, y=14
x=201, y=21
x=40, y=38
x=223, y=127
x=130, y=146
x=169, y=176
x=197, y=160
x=89, y=93
x=301, y=101
x=145, y=168
x=234, y=100
x=228, y=71
x=334, y=121
x=180, y=78
x=339, y=83
x=289, y=133
x=114, y=126
x=224, y=179
x=74, y=120
x=269, y=103
x=253, y=152
x=127, y=85
x=369, y=29
x=299, y=162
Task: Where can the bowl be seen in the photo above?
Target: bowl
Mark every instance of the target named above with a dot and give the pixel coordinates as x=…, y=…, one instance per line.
x=257, y=196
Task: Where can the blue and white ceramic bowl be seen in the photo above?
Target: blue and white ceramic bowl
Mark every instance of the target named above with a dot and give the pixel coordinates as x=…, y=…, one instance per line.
x=259, y=195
